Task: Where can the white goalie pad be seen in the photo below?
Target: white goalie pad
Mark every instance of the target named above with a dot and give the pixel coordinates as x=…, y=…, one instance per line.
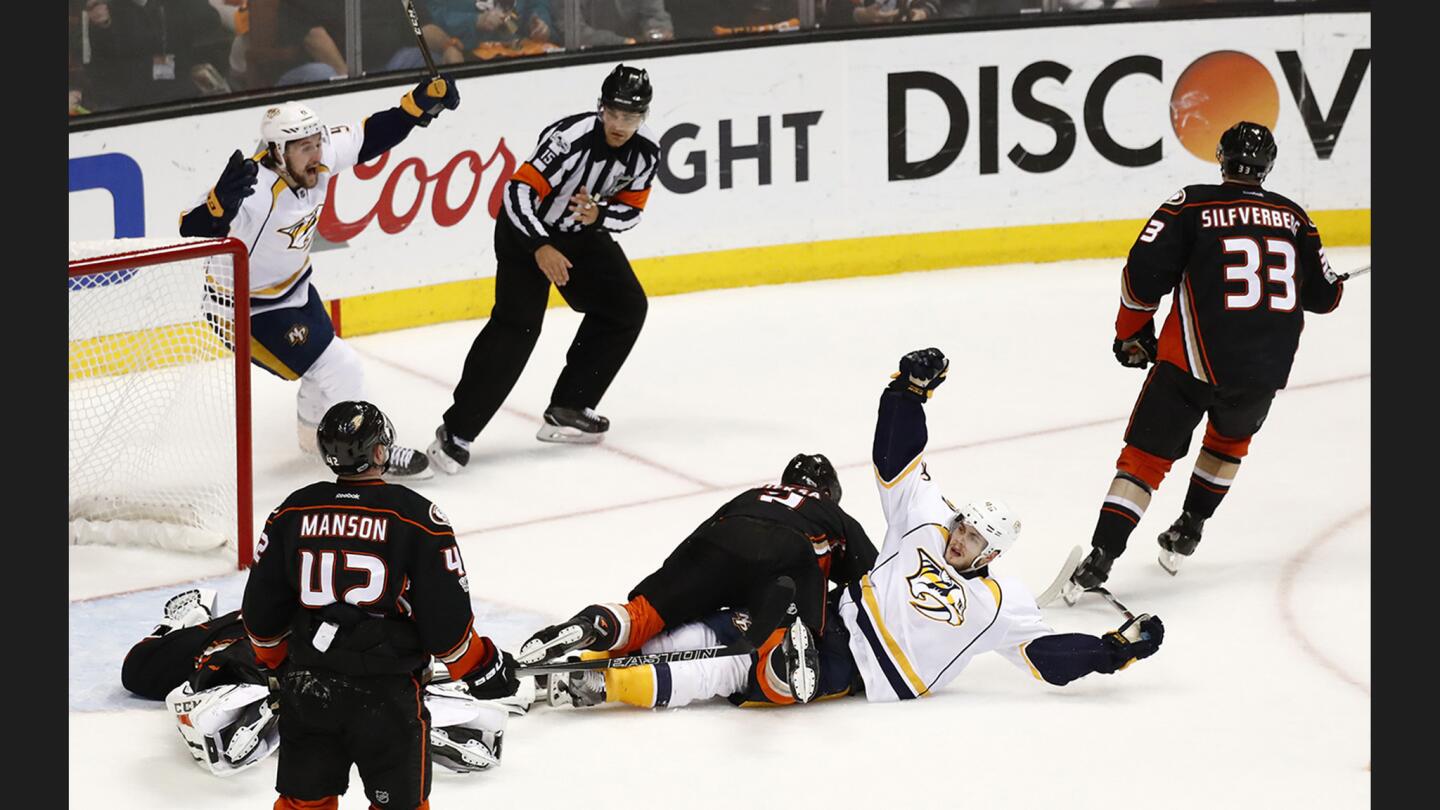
x=227, y=728
x=466, y=734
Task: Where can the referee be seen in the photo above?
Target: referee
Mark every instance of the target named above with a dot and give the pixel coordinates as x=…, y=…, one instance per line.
x=589, y=177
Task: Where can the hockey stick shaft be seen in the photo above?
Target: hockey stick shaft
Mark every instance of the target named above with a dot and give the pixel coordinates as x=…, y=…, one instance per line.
x=419, y=36
x=638, y=660
x=1357, y=272
x=1115, y=603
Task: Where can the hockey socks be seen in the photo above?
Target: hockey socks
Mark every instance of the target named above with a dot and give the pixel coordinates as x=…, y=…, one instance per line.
x=1210, y=482
x=1124, y=505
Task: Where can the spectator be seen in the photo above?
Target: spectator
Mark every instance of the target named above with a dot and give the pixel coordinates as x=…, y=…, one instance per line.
x=234, y=15
x=302, y=41
x=988, y=8
x=485, y=28
x=703, y=19
x=873, y=12
x=623, y=22
x=151, y=51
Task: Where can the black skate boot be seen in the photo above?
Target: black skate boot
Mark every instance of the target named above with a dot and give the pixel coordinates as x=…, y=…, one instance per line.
x=1179, y=541
x=1092, y=573
x=448, y=452
x=407, y=464
x=572, y=426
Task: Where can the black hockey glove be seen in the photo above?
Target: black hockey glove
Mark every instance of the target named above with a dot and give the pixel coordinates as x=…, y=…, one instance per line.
x=1138, y=638
x=494, y=677
x=429, y=97
x=1138, y=350
x=235, y=184
x=921, y=372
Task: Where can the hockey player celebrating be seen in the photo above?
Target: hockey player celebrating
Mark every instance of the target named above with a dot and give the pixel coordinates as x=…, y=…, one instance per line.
x=771, y=550
x=1245, y=265
x=929, y=605
x=291, y=333
x=357, y=583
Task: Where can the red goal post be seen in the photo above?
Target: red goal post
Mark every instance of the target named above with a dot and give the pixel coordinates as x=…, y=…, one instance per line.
x=159, y=394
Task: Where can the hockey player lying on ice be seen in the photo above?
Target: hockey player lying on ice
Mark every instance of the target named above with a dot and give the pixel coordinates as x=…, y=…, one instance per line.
x=222, y=703
x=912, y=623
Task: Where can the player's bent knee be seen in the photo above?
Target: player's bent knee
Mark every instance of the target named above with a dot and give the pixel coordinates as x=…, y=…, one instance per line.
x=1147, y=467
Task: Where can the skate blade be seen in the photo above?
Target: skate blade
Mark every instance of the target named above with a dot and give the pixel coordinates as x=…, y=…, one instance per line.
x=559, y=434
x=444, y=463
x=1170, y=561
x=1071, y=593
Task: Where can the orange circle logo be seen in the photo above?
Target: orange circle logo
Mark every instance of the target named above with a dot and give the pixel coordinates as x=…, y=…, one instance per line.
x=1218, y=90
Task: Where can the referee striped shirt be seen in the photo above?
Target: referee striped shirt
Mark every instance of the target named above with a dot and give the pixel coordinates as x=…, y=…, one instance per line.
x=571, y=153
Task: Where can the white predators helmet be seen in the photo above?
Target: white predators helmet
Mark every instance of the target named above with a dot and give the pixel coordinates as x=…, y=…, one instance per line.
x=995, y=522
x=288, y=122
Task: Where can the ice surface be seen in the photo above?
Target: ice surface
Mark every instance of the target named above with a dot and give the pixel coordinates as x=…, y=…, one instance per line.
x=1259, y=698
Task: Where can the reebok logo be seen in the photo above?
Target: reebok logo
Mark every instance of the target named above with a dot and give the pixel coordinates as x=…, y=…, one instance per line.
x=354, y=495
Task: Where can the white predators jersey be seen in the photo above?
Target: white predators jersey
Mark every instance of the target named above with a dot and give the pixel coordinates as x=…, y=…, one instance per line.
x=277, y=223
x=914, y=622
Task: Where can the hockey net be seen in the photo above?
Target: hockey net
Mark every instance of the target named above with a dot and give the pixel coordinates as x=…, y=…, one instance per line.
x=159, y=384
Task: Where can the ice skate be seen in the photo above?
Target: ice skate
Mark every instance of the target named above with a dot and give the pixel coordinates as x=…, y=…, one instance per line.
x=572, y=426
x=579, y=689
x=1179, y=541
x=1093, y=572
x=407, y=464
x=448, y=453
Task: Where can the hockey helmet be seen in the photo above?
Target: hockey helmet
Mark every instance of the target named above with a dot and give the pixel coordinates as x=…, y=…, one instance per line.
x=813, y=471
x=995, y=522
x=626, y=88
x=1246, y=150
x=286, y=122
x=347, y=434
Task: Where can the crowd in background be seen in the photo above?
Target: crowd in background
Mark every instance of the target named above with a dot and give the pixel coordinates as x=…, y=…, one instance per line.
x=133, y=53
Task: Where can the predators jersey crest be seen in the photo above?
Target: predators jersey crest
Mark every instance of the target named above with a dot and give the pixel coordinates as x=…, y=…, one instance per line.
x=936, y=595
x=302, y=232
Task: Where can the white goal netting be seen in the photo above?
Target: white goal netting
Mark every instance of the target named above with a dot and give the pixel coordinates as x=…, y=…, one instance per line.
x=158, y=446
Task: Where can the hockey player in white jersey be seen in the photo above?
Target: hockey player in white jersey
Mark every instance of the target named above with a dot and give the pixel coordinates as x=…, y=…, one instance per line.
x=291, y=333
x=923, y=612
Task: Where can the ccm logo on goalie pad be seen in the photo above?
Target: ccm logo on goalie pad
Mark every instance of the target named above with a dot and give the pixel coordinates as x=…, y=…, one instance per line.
x=937, y=596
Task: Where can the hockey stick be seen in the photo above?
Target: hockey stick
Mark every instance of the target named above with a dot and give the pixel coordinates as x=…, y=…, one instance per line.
x=419, y=36
x=1360, y=271
x=424, y=52
x=1115, y=603
x=639, y=660
x=1066, y=571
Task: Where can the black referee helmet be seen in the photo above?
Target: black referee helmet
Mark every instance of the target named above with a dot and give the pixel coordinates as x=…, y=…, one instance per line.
x=626, y=88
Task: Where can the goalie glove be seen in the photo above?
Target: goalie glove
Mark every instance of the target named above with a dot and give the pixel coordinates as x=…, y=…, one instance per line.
x=1139, y=350
x=1137, y=638
x=921, y=372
